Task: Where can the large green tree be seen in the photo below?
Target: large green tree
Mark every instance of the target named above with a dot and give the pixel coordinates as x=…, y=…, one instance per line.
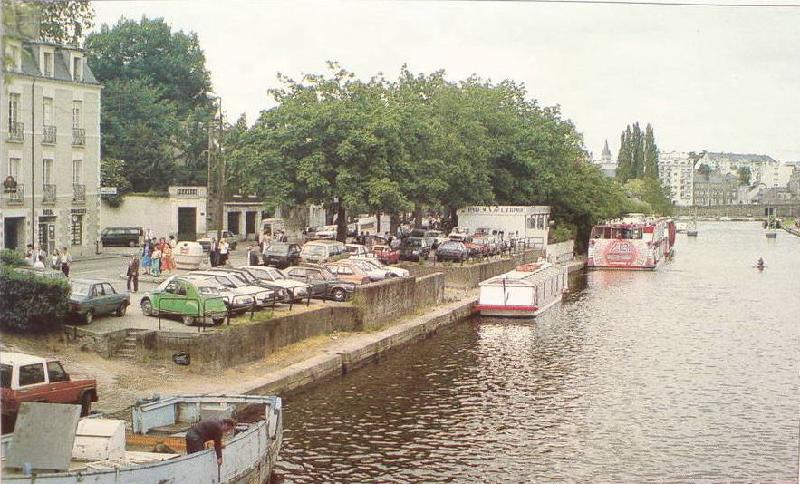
x=147, y=54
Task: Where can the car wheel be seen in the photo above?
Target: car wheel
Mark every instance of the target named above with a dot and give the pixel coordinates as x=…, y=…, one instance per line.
x=147, y=307
x=86, y=403
x=339, y=294
x=88, y=317
x=131, y=244
x=121, y=309
x=218, y=321
x=188, y=320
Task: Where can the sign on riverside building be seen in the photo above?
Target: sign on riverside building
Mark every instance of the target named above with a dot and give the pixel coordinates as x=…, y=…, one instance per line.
x=527, y=222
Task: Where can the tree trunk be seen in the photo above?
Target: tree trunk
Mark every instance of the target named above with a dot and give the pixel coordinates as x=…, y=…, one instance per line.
x=417, y=215
x=394, y=222
x=341, y=223
x=378, y=224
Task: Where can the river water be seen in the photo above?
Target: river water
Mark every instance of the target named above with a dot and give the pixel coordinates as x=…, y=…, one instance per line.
x=686, y=373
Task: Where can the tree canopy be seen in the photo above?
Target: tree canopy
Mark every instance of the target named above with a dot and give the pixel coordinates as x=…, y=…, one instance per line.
x=420, y=141
x=156, y=101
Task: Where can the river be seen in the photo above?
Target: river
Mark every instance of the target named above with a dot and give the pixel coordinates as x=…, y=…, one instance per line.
x=686, y=373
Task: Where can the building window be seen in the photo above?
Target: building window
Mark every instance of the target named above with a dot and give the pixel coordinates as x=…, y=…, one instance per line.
x=13, y=109
x=77, y=69
x=13, y=167
x=77, y=172
x=77, y=108
x=47, y=111
x=47, y=61
x=13, y=57
x=76, y=230
x=47, y=171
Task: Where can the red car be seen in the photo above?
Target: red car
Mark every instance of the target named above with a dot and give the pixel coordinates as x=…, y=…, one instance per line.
x=386, y=254
x=27, y=378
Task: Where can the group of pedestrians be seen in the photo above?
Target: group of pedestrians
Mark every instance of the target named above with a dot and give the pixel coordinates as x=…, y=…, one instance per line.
x=218, y=252
x=59, y=260
x=157, y=256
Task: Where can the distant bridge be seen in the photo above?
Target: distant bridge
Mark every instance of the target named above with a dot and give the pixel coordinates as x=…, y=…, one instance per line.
x=788, y=209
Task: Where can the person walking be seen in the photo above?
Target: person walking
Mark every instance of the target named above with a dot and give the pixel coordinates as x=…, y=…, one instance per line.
x=146, y=251
x=55, y=260
x=213, y=253
x=252, y=255
x=133, y=273
x=155, y=262
x=66, y=261
x=166, y=258
x=205, y=430
x=223, y=252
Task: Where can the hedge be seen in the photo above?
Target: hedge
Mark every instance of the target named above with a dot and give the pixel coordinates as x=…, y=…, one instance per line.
x=31, y=304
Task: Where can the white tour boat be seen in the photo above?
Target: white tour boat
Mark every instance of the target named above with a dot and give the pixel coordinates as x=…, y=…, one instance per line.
x=151, y=447
x=525, y=292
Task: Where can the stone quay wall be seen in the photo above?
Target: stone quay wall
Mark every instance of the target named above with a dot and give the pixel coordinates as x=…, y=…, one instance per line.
x=468, y=276
x=390, y=299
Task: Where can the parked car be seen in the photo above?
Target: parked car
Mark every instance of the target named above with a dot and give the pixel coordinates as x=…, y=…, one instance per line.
x=28, y=378
x=324, y=284
x=452, y=250
x=280, y=292
x=91, y=297
x=386, y=254
x=193, y=299
x=434, y=238
x=488, y=245
x=356, y=250
x=415, y=248
x=387, y=271
x=122, y=236
x=349, y=271
x=297, y=290
x=325, y=232
x=319, y=251
x=239, y=288
x=282, y=255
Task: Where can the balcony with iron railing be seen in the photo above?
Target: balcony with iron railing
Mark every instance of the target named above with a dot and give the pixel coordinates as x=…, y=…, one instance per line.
x=78, y=137
x=48, y=194
x=16, y=132
x=48, y=135
x=16, y=196
x=79, y=193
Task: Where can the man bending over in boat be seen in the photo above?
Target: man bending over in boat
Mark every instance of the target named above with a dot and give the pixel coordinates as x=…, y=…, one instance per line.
x=205, y=430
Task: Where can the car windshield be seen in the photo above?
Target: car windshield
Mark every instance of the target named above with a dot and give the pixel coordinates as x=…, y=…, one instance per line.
x=208, y=290
x=81, y=289
x=451, y=245
x=364, y=265
x=278, y=249
x=314, y=251
x=5, y=376
x=327, y=274
x=414, y=243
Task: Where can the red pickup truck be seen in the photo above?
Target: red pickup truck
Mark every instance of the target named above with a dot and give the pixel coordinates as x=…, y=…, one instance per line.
x=28, y=378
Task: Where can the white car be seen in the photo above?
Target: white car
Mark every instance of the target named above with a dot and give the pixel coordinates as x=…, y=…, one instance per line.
x=236, y=301
x=240, y=287
x=356, y=250
x=271, y=275
x=376, y=264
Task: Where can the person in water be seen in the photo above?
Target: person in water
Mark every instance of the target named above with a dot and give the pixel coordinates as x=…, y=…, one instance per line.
x=760, y=262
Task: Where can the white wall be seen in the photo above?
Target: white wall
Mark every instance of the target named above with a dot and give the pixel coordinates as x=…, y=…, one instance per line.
x=157, y=213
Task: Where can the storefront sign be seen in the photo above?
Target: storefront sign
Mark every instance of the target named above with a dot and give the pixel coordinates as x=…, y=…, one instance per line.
x=504, y=210
x=78, y=211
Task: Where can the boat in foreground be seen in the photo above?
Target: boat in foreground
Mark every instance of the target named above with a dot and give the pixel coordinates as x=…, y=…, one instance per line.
x=525, y=292
x=632, y=243
x=153, y=448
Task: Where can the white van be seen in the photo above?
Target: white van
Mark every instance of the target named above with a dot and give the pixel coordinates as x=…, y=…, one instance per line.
x=319, y=251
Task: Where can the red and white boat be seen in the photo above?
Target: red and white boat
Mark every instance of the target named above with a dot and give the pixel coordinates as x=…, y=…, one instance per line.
x=632, y=243
x=525, y=292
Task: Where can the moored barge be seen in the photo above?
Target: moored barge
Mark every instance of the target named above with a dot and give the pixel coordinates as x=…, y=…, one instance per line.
x=633, y=243
x=525, y=292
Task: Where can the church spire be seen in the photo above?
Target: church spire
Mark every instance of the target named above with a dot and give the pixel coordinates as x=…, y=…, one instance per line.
x=606, y=152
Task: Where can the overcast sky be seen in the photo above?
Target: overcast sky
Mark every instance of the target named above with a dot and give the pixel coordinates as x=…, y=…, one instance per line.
x=716, y=78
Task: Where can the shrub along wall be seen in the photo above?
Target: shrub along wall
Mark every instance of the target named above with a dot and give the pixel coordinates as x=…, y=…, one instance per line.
x=31, y=304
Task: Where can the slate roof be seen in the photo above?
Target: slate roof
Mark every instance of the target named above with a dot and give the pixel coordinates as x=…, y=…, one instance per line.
x=30, y=65
x=740, y=157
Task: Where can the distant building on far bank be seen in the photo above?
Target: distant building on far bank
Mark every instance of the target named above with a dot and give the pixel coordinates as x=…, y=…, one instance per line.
x=607, y=163
x=714, y=188
x=763, y=168
x=676, y=172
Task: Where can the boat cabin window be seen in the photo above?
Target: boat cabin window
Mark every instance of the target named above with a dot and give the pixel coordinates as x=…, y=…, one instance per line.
x=616, y=233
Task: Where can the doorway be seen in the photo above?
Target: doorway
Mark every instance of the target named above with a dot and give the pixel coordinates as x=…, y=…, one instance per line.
x=187, y=223
x=250, y=223
x=233, y=222
x=14, y=232
x=47, y=235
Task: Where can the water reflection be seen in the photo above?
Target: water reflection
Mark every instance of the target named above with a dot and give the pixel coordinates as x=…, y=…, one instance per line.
x=687, y=373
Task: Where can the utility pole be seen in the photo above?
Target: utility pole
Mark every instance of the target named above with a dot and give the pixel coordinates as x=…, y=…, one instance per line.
x=221, y=171
x=216, y=172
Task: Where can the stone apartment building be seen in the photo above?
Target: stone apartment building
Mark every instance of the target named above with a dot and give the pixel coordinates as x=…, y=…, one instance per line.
x=763, y=169
x=714, y=188
x=50, y=147
x=676, y=172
